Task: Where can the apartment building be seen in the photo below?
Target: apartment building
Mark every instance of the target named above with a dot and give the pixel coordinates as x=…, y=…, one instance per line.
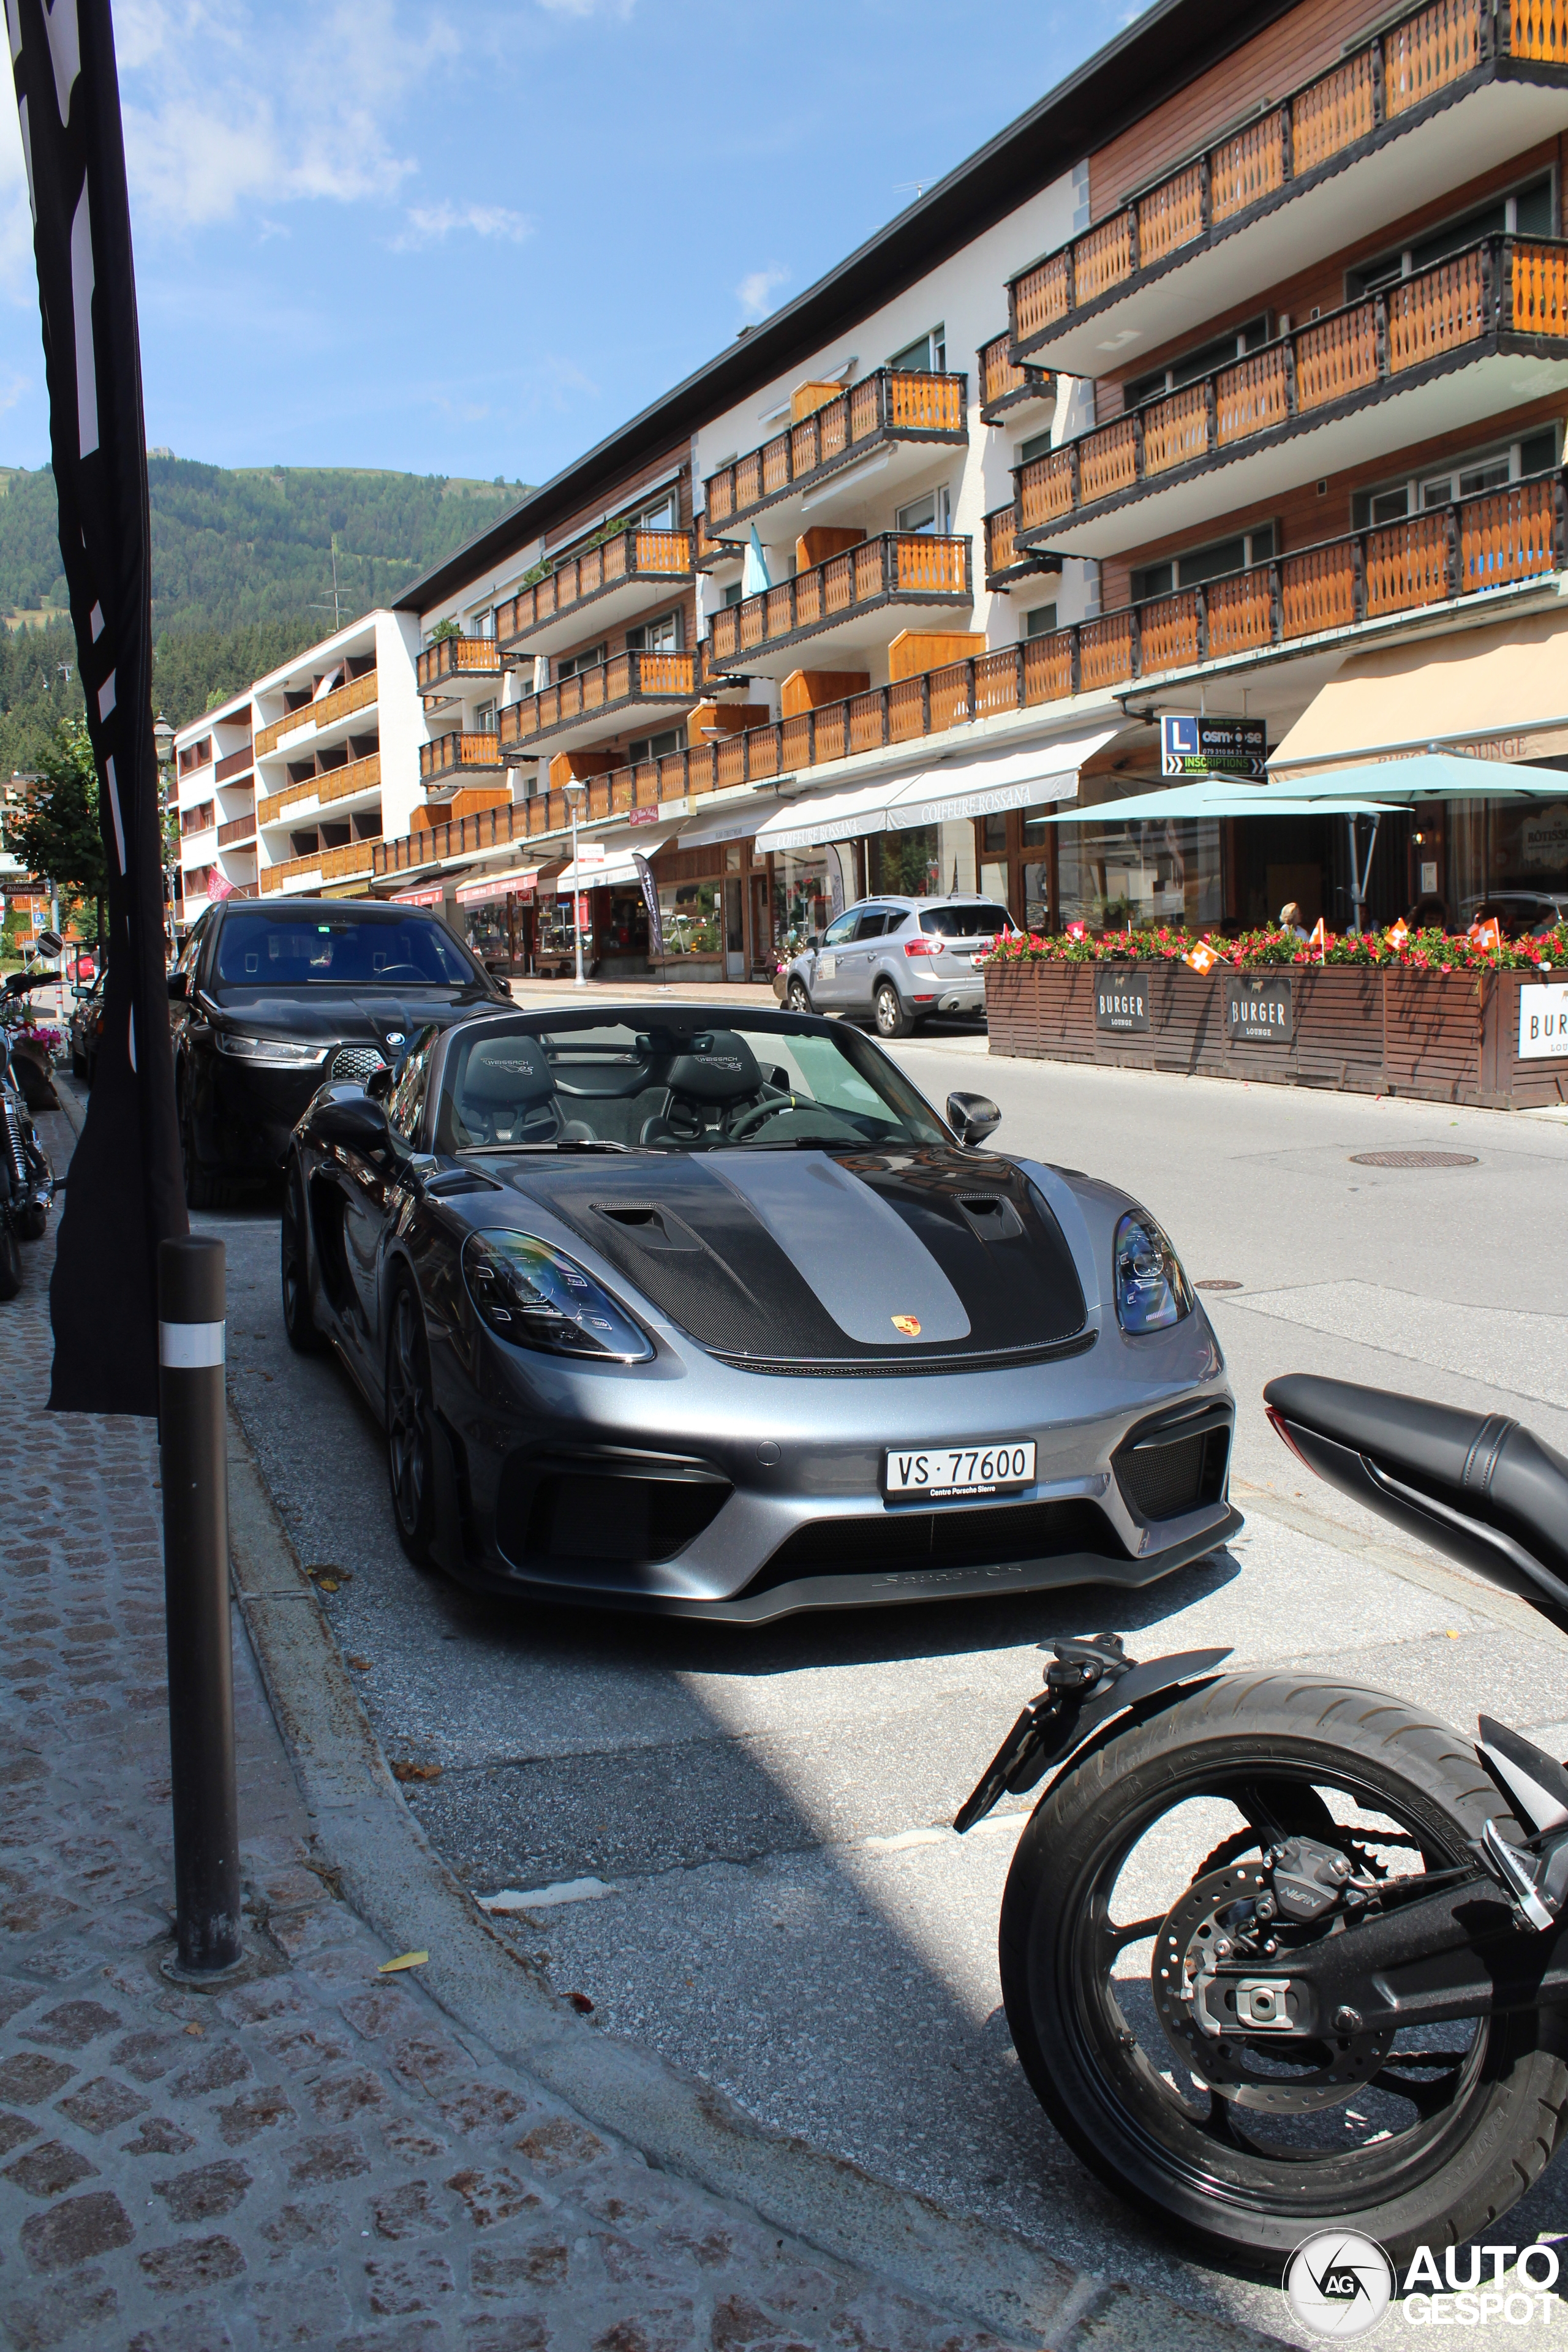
x=281, y=788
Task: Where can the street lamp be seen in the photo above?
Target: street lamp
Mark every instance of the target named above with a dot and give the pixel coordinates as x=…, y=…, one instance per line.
x=576, y=790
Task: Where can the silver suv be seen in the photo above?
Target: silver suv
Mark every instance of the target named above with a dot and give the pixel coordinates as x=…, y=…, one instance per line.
x=899, y=959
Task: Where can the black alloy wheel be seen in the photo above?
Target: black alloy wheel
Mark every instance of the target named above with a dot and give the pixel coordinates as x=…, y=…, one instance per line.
x=795, y=997
x=408, y=1432
x=892, y=1021
x=1149, y=1851
x=300, y=1323
x=10, y=1264
x=201, y=1184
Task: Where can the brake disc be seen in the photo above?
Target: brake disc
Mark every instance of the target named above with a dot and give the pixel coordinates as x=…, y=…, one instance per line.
x=1243, y=2061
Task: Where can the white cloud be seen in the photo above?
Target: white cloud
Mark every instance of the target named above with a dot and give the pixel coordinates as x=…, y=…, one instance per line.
x=12, y=386
x=755, y=291
x=621, y=9
x=429, y=224
x=17, y=280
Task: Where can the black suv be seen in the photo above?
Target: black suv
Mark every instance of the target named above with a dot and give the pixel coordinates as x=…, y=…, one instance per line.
x=269, y=1001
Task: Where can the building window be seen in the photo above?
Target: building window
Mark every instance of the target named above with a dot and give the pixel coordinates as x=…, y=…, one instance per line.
x=663, y=515
x=733, y=592
x=485, y=719
x=1487, y=470
x=927, y=515
x=927, y=355
x=660, y=636
x=657, y=747
x=1038, y=444
x=568, y=665
x=1527, y=212
x=1041, y=622
x=1257, y=545
x=1234, y=345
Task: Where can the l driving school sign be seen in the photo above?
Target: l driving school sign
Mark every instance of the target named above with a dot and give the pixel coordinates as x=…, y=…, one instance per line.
x=1213, y=746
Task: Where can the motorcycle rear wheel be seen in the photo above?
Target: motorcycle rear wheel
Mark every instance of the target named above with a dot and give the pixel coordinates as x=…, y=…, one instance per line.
x=1431, y=2146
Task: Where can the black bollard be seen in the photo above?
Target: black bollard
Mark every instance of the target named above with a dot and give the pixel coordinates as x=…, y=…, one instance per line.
x=194, y=1434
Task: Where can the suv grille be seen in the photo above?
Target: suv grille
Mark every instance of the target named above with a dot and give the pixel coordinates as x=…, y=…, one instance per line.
x=356, y=1062
x=992, y=1537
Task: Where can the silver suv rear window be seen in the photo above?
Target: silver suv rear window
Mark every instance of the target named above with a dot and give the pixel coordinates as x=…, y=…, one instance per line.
x=978, y=922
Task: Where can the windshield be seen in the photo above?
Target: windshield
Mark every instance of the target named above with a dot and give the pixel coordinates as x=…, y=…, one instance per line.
x=980, y=922
x=352, y=950
x=559, y=1083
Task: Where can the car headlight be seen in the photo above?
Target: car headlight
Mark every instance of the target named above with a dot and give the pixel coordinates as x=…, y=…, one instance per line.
x=537, y=1297
x=1152, y=1291
x=285, y=1053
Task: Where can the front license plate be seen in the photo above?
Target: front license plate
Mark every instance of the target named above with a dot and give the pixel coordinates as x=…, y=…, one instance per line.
x=938, y=1472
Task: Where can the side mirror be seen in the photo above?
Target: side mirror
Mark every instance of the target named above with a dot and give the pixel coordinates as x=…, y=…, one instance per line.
x=972, y=1117
x=353, y=1122
x=178, y=987
x=814, y=941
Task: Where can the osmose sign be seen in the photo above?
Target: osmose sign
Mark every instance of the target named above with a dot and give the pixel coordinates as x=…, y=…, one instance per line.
x=1257, y=1011
x=1121, y=1004
x=1544, y=1022
x=1213, y=746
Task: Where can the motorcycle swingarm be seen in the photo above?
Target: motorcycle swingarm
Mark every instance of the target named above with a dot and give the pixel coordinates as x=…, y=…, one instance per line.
x=1458, y=1952
x=1089, y=1683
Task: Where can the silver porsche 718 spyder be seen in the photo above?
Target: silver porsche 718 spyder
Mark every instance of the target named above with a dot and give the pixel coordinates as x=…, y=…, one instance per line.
x=708, y=1312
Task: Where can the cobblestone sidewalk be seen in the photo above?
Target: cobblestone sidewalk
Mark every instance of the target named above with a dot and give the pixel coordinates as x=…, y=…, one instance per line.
x=316, y=2156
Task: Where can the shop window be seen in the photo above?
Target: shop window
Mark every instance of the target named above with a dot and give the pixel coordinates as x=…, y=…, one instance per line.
x=927, y=514
x=1200, y=564
x=994, y=834
x=803, y=896
x=1035, y=911
x=907, y=864
x=927, y=355
x=1233, y=345
x=691, y=914
x=1485, y=470
x=1158, y=871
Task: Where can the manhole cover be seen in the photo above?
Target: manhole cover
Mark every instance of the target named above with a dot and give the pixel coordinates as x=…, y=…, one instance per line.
x=1214, y=1283
x=1414, y=1160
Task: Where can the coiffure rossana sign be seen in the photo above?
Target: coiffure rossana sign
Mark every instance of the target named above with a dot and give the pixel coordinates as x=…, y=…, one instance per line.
x=1122, y=1003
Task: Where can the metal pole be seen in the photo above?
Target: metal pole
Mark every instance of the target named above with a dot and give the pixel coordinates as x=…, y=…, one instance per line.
x=576, y=893
x=193, y=1432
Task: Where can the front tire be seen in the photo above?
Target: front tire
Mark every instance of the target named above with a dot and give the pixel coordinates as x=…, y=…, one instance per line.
x=300, y=1327
x=409, y=1437
x=795, y=997
x=201, y=1184
x=1432, y=2145
x=892, y=1020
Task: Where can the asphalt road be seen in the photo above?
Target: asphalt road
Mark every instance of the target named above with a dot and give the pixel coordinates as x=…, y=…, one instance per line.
x=780, y=1906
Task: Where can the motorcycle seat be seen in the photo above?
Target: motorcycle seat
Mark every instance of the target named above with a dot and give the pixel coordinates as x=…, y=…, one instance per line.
x=1485, y=1465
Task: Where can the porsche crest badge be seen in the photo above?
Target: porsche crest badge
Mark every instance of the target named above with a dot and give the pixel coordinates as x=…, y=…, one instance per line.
x=910, y=1325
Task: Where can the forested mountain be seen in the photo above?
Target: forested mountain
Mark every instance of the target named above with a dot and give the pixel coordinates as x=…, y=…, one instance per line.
x=242, y=574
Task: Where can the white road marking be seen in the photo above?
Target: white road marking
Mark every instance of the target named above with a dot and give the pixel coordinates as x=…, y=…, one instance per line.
x=544, y=1898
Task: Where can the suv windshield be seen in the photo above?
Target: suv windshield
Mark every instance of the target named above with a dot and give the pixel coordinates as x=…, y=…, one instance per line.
x=563, y=1083
x=351, y=949
x=978, y=922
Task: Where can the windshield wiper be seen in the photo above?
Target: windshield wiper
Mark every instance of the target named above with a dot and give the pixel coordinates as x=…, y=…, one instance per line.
x=562, y=1143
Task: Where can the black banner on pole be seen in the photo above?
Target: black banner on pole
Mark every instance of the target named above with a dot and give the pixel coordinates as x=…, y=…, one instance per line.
x=650, y=900
x=126, y=1190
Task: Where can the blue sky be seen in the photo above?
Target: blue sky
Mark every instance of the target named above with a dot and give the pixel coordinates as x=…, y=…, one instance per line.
x=471, y=240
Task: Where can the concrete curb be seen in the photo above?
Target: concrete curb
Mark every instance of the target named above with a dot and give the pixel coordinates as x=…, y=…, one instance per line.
x=394, y=1880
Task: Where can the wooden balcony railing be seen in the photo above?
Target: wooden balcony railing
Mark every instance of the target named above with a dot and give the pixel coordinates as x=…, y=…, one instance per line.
x=334, y=784
x=660, y=557
x=1369, y=91
x=1004, y=384
x=893, y=567
x=356, y=696
x=450, y=659
x=1001, y=554
x=609, y=687
x=234, y=763
x=332, y=864
x=448, y=755
x=1503, y=288
x=891, y=403
x=239, y=828
x=1476, y=545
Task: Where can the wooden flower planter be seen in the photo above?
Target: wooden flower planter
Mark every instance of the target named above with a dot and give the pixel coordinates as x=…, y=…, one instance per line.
x=1443, y=1037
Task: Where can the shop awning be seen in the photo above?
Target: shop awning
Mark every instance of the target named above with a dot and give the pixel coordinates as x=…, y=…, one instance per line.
x=521, y=879
x=1432, y=775
x=609, y=872
x=983, y=786
x=736, y=825
x=431, y=897
x=1498, y=693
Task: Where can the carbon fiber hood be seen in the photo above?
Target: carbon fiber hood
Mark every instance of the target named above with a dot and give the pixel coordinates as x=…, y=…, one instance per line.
x=816, y=1260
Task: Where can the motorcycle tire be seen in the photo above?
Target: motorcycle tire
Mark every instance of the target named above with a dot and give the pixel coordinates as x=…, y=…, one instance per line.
x=10, y=1264
x=1250, y=2186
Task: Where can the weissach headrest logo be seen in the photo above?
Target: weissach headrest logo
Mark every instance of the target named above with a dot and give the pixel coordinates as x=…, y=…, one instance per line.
x=1341, y=2285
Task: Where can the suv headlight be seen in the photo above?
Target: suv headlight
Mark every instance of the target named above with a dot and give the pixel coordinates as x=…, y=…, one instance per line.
x=284, y=1053
x=536, y=1297
x=1152, y=1291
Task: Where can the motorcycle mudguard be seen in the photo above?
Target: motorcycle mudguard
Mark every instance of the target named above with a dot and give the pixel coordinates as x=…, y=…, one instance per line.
x=1047, y=1732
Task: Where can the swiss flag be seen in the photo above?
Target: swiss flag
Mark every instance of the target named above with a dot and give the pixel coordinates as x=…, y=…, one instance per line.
x=1398, y=932
x=1487, y=935
x=1203, y=957
x=1320, y=938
